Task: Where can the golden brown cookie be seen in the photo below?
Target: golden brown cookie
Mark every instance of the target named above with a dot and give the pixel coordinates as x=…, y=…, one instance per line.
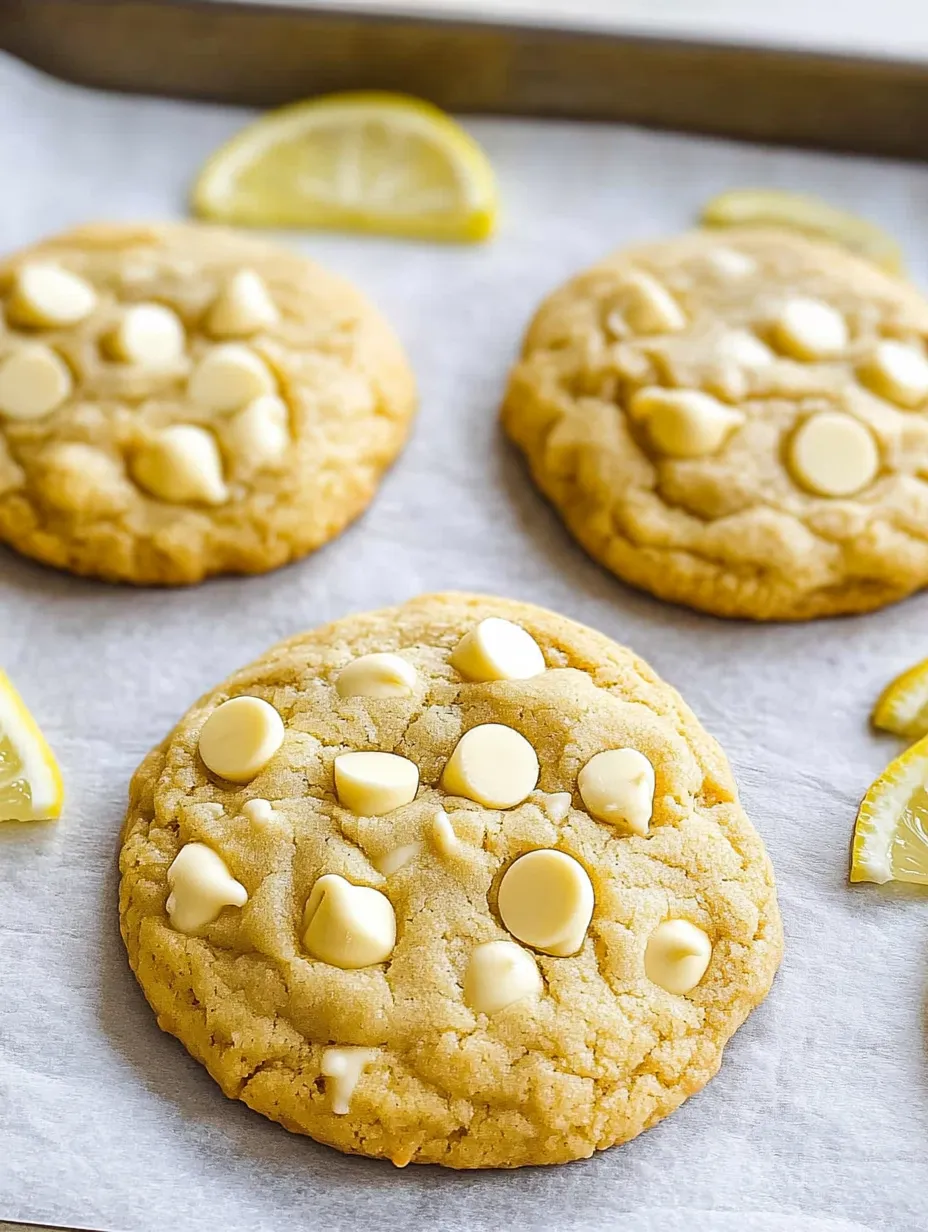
x=736, y=422
x=178, y=401
x=474, y=887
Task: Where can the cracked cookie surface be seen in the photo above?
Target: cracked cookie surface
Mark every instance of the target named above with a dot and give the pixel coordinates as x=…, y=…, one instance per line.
x=178, y=401
x=736, y=422
x=456, y=1037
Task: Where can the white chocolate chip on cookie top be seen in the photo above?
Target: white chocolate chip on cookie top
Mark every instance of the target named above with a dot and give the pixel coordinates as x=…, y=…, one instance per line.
x=677, y=956
x=500, y=973
x=684, y=423
x=492, y=764
x=546, y=900
x=647, y=306
x=34, y=381
x=699, y=462
x=377, y=675
x=617, y=787
x=808, y=329
x=230, y=377
x=344, y=1066
x=498, y=650
x=259, y=435
x=149, y=335
x=347, y=925
x=248, y=400
x=375, y=783
x=898, y=372
x=832, y=454
x=181, y=465
x=243, y=307
x=201, y=885
x=45, y=295
x=429, y=906
x=240, y=737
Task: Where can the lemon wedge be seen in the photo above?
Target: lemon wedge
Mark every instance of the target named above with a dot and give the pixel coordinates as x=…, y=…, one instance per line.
x=30, y=781
x=891, y=833
x=768, y=207
x=903, y=705
x=360, y=162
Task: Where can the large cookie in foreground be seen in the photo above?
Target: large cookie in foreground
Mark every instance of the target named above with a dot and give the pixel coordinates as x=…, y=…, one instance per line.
x=484, y=899
x=735, y=422
x=178, y=401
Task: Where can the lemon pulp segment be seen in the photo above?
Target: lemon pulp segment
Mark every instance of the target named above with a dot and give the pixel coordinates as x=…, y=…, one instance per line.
x=891, y=834
x=365, y=161
x=30, y=781
x=767, y=207
x=903, y=704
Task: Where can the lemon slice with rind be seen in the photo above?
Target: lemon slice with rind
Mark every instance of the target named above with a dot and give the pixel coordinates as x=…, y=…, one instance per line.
x=30, y=781
x=768, y=207
x=903, y=705
x=891, y=834
x=362, y=162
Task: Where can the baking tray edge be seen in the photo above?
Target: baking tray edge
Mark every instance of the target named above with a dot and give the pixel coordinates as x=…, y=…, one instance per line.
x=262, y=55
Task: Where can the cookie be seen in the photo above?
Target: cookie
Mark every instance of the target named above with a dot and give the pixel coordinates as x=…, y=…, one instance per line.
x=178, y=401
x=736, y=422
x=457, y=882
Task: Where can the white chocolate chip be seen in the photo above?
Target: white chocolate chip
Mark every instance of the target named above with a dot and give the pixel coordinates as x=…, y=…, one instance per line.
x=181, y=464
x=348, y=926
x=557, y=805
x=34, y=381
x=493, y=765
x=833, y=454
x=730, y=264
x=259, y=812
x=677, y=956
x=442, y=834
x=392, y=861
x=740, y=346
x=546, y=900
x=242, y=308
x=617, y=787
x=259, y=435
x=47, y=295
x=229, y=377
x=897, y=372
x=201, y=885
x=345, y=1067
x=684, y=423
x=498, y=974
x=497, y=649
x=240, y=737
x=371, y=784
x=376, y=675
x=648, y=306
x=148, y=335
x=809, y=329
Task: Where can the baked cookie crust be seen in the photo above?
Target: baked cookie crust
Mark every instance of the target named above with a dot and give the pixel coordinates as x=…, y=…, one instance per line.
x=718, y=509
x=281, y=444
x=598, y=1052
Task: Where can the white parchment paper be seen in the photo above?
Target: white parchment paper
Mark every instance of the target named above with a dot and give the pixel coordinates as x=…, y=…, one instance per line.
x=818, y=1120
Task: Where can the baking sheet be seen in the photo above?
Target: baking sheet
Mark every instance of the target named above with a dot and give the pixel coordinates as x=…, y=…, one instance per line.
x=819, y=1117
x=717, y=72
